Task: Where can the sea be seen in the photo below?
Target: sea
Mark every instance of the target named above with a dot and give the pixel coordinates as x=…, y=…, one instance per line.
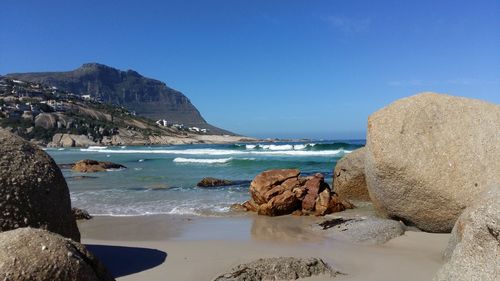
x=163, y=179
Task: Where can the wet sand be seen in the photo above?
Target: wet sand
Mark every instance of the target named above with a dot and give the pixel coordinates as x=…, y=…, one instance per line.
x=163, y=247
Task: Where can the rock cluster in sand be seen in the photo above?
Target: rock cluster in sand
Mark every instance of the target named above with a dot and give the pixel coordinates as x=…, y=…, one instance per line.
x=33, y=190
x=282, y=192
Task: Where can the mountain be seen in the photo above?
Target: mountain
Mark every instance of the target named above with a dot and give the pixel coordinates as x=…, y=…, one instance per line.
x=54, y=117
x=145, y=96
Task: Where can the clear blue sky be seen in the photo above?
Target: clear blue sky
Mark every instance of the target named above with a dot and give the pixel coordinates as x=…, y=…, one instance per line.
x=270, y=68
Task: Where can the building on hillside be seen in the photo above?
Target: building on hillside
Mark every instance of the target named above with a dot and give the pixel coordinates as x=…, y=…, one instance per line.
x=162, y=122
x=179, y=126
x=55, y=105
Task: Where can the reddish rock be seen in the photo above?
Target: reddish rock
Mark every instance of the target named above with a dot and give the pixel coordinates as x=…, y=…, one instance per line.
x=338, y=204
x=238, y=208
x=282, y=204
x=283, y=192
x=250, y=206
x=290, y=184
x=313, y=186
x=275, y=191
x=267, y=180
x=264, y=209
x=323, y=203
x=300, y=192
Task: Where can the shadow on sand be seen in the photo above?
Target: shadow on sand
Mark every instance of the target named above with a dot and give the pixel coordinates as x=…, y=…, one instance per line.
x=121, y=261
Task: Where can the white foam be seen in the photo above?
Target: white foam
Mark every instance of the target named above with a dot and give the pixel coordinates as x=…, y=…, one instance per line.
x=300, y=152
x=208, y=151
x=202, y=161
x=277, y=147
x=115, y=170
x=183, y=210
x=97, y=147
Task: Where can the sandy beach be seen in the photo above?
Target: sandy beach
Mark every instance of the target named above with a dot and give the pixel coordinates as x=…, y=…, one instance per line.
x=163, y=247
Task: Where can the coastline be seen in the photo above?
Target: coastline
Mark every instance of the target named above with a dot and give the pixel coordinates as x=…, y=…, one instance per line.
x=69, y=140
x=60, y=141
x=200, y=248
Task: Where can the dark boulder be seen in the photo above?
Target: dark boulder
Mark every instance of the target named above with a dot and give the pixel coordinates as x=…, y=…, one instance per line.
x=213, y=182
x=80, y=214
x=29, y=254
x=92, y=166
x=33, y=190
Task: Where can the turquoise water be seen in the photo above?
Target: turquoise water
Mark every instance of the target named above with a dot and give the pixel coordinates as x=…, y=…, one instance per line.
x=162, y=179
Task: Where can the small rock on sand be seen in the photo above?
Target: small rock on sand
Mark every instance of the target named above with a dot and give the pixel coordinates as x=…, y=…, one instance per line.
x=282, y=268
x=370, y=230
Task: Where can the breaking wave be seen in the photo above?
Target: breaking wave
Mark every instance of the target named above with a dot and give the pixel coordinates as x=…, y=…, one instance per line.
x=202, y=161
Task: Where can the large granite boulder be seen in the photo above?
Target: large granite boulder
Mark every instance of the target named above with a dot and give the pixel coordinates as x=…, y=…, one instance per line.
x=46, y=120
x=70, y=140
x=427, y=156
x=33, y=191
x=473, y=252
x=29, y=254
x=92, y=166
x=349, y=176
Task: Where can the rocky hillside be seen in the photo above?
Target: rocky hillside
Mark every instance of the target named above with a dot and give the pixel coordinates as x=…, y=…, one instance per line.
x=53, y=117
x=146, y=97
